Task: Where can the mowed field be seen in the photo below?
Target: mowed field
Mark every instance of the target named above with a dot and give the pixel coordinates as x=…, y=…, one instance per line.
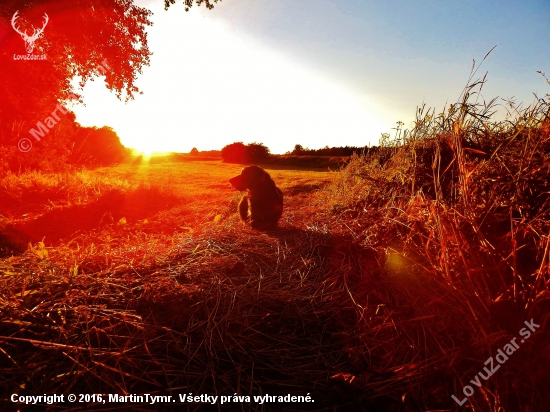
x=143, y=279
x=55, y=207
x=387, y=287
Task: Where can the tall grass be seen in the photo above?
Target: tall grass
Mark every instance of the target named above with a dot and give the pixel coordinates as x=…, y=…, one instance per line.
x=457, y=209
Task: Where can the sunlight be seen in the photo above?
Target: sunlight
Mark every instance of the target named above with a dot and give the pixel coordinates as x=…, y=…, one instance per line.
x=225, y=88
x=146, y=155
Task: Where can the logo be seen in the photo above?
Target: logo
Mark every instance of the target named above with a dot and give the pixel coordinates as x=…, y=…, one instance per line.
x=29, y=39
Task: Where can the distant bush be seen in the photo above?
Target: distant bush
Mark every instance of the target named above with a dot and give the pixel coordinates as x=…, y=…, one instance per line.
x=234, y=153
x=240, y=153
x=194, y=152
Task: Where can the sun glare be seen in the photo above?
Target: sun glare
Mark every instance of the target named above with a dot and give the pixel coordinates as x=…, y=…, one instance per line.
x=146, y=155
x=140, y=142
x=224, y=89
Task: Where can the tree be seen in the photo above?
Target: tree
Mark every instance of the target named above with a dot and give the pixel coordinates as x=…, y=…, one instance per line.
x=80, y=39
x=256, y=152
x=298, y=150
x=234, y=153
x=94, y=146
x=239, y=153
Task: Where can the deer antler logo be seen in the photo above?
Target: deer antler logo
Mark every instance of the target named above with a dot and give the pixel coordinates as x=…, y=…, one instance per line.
x=29, y=40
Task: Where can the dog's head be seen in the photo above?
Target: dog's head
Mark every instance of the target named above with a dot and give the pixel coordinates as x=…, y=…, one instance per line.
x=252, y=178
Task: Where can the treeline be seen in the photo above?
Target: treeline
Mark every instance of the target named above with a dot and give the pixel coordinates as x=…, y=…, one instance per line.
x=299, y=150
x=63, y=147
x=258, y=152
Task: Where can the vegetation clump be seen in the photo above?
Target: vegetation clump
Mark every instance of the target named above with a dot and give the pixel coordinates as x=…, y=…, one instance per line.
x=457, y=212
x=241, y=153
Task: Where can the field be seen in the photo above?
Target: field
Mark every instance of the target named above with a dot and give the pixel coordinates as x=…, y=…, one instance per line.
x=402, y=282
x=133, y=272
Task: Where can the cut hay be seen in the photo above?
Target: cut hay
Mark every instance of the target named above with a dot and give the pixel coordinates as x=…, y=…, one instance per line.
x=385, y=291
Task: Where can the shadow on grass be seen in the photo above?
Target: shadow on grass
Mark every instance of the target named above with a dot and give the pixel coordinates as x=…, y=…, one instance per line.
x=58, y=223
x=280, y=316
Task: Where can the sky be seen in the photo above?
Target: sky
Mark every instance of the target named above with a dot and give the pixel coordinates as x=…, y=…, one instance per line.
x=318, y=73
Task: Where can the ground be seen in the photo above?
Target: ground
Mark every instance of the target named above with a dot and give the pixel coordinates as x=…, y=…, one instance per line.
x=119, y=256
x=142, y=279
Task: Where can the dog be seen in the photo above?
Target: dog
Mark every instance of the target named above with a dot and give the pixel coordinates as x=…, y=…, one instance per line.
x=263, y=206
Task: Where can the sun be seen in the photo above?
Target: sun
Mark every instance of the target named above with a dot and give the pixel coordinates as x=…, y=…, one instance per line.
x=140, y=142
x=147, y=154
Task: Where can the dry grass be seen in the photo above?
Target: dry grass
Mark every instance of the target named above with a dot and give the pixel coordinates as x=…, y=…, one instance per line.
x=458, y=212
x=386, y=288
x=158, y=305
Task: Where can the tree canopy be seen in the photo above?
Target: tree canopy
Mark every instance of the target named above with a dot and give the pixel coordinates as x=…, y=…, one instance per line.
x=79, y=39
x=45, y=45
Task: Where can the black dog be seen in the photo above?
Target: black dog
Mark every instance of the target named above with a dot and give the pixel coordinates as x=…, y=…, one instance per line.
x=264, y=200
